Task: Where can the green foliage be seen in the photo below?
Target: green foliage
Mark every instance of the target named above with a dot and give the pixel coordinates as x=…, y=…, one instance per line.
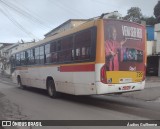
x=113, y=17
x=149, y=20
x=134, y=14
x=157, y=11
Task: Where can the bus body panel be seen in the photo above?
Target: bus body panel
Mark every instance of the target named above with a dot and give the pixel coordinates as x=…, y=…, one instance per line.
x=80, y=78
x=76, y=83
x=119, y=88
x=115, y=88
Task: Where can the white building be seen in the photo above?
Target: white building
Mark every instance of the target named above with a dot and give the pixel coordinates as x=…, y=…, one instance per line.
x=2, y=54
x=157, y=30
x=6, y=53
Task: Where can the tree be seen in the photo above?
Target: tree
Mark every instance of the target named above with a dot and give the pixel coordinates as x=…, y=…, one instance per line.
x=149, y=20
x=113, y=17
x=157, y=11
x=134, y=14
x=3, y=61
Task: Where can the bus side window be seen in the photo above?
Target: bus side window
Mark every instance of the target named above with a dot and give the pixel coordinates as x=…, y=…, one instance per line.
x=18, y=61
x=58, y=45
x=22, y=57
x=37, y=55
x=28, y=57
x=41, y=55
x=57, y=55
x=32, y=57
x=53, y=47
x=83, y=45
x=73, y=54
x=47, y=53
x=66, y=49
x=78, y=52
x=53, y=52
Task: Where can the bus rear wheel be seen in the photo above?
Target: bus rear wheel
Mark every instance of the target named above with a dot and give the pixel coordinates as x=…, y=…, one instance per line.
x=51, y=89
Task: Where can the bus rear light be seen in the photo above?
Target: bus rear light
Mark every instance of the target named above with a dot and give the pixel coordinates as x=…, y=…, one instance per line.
x=103, y=74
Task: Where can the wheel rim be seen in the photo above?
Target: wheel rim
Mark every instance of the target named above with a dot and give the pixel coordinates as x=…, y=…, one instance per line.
x=50, y=90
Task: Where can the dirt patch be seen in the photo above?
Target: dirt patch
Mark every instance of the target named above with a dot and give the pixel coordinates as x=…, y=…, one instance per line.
x=156, y=100
x=1, y=95
x=11, y=110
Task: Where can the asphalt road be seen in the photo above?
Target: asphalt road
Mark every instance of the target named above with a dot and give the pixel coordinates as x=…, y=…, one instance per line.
x=34, y=104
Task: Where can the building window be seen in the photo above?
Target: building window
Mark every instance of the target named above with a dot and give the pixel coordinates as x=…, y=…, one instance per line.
x=18, y=59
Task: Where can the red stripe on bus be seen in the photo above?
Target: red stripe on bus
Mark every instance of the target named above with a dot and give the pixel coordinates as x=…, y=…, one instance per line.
x=78, y=68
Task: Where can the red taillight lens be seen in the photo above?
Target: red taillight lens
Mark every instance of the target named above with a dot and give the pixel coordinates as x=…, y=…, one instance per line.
x=103, y=74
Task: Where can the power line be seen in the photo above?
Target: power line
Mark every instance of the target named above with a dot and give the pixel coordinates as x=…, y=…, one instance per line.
x=34, y=14
x=22, y=12
x=70, y=10
x=17, y=24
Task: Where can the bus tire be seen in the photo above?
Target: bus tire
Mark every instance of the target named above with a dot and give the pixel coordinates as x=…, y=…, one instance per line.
x=51, y=89
x=21, y=86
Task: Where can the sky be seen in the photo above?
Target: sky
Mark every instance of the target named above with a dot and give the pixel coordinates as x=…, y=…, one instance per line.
x=32, y=19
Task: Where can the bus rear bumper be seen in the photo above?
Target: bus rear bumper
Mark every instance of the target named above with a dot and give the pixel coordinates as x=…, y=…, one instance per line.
x=119, y=88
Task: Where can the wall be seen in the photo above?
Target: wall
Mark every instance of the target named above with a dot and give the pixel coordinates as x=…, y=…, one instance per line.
x=151, y=47
x=65, y=26
x=77, y=23
x=157, y=27
x=157, y=30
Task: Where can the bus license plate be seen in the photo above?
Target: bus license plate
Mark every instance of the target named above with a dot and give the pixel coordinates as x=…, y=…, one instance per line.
x=126, y=87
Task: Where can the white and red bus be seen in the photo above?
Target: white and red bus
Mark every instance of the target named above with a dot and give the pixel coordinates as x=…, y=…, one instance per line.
x=98, y=57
